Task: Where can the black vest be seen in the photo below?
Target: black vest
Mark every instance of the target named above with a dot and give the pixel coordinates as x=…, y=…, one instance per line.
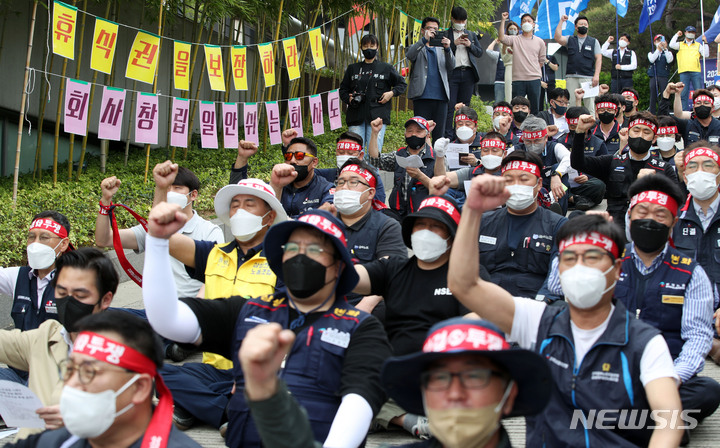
x=25, y=311
x=619, y=180
x=659, y=68
x=581, y=61
x=416, y=191
x=695, y=131
x=626, y=59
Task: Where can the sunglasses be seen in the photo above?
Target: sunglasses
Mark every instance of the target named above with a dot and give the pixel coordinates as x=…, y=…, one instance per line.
x=299, y=155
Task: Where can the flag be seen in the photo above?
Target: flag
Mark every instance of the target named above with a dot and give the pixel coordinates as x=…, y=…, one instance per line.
x=146, y=118
x=520, y=7
x=549, y=14
x=333, y=102
x=291, y=58
x=230, y=125
x=77, y=94
x=652, y=11
x=238, y=55
x=181, y=65
x=317, y=48
x=208, y=125
x=273, y=117
x=103, y=47
x=268, y=63
x=714, y=28
x=64, y=26
x=143, y=59
x=179, y=123
x=214, y=64
x=295, y=115
x=403, y=28
x=111, y=113
x=621, y=7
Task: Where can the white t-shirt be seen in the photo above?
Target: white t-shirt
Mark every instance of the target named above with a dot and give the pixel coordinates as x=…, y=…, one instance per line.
x=655, y=363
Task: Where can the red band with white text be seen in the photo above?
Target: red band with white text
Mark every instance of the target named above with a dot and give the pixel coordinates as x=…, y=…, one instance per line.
x=594, y=238
x=531, y=135
x=459, y=337
x=443, y=205
x=707, y=152
x=522, y=165
x=641, y=121
x=655, y=197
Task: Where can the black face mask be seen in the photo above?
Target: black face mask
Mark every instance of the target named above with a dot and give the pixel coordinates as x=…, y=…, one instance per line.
x=582, y=30
x=702, y=112
x=628, y=106
x=520, y=116
x=607, y=117
x=639, y=145
x=649, y=235
x=70, y=310
x=302, y=172
x=414, y=142
x=560, y=110
x=303, y=276
x=369, y=53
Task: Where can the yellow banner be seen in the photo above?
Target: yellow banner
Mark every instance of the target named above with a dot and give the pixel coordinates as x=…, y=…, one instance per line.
x=143, y=60
x=213, y=61
x=64, y=26
x=403, y=29
x=291, y=58
x=268, y=63
x=317, y=47
x=238, y=57
x=417, y=30
x=181, y=65
x=103, y=49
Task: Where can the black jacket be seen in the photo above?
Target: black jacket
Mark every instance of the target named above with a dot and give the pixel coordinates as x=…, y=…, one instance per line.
x=376, y=79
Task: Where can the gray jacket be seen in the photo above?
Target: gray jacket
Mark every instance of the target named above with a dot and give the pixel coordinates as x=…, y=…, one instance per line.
x=417, y=54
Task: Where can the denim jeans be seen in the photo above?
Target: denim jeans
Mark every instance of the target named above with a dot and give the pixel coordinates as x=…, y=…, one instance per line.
x=687, y=78
x=531, y=89
x=365, y=131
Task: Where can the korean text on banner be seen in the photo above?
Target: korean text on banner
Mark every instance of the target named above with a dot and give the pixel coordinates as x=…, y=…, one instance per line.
x=316, y=115
x=77, y=94
x=146, y=118
x=103, y=48
x=295, y=116
x=403, y=29
x=230, y=125
x=316, y=43
x=111, y=113
x=238, y=55
x=333, y=100
x=143, y=59
x=181, y=65
x=273, y=118
x=291, y=58
x=213, y=61
x=417, y=30
x=179, y=123
x=250, y=122
x=64, y=26
x=268, y=63
x=208, y=125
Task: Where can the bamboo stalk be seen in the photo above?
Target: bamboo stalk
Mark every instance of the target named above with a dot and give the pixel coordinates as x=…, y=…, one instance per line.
x=77, y=76
x=132, y=102
x=161, y=19
x=41, y=118
x=22, y=105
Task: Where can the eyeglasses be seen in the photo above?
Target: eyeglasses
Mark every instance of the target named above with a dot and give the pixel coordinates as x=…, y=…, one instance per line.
x=707, y=165
x=470, y=379
x=352, y=183
x=311, y=250
x=86, y=370
x=43, y=238
x=590, y=258
x=299, y=155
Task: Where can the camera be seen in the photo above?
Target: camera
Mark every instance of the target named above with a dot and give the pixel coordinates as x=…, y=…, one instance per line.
x=357, y=99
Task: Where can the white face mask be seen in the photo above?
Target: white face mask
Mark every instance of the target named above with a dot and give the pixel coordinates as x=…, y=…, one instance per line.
x=702, y=185
x=88, y=415
x=622, y=43
x=665, y=143
x=348, y=202
x=41, y=256
x=583, y=286
x=527, y=27
x=245, y=225
x=458, y=26
x=342, y=159
x=521, y=196
x=428, y=246
x=464, y=133
x=496, y=122
x=178, y=198
x=690, y=36
x=716, y=103
x=490, y=162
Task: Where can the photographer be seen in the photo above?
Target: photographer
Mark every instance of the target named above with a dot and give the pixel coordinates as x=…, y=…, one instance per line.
x=367, y=89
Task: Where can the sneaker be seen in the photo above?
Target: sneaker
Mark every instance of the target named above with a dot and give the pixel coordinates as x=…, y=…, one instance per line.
x=223, y=429
x=176, y=353
x=421, y=428
x=583, y=203
x=183, y=419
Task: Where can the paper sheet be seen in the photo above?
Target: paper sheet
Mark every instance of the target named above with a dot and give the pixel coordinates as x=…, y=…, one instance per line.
x=18, y=405
x=590, y=91
x=452, y=154
x=413, y=161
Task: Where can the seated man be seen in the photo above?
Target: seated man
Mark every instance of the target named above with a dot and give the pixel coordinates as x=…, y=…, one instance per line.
x=502, y=117
x=489, y=375
x=333, y=371
x=600, y=356
x=559, y=99
x=110, y=379
x=520, y=111
x=607, y=127
x=85, y=283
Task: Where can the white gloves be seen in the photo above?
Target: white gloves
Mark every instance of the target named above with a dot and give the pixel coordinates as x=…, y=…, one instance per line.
x=440, y=147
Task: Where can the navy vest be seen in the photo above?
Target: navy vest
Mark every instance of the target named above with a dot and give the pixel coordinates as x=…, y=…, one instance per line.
x=657, y=298
x=619, y=180
x=626, y=59
x=607, y=378
x=550, y=162
x=416, y=191
x=659, y=68
x=25, y=311
x=312, y=370
x=581, y=61
x=694, y=131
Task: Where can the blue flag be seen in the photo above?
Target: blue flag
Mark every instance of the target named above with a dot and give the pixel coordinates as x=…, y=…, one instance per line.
x=652, y=11
x=518, y=8
x=714, y=29
x=549, y=14
x=621, y=6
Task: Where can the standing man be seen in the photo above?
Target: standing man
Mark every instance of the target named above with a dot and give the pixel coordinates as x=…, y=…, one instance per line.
x=432, y=62
x=367, y=89
x=659, y=70
x=623, y=62
x=689, y=53
x=584, y=57
x=529, y=58
x=464, y=44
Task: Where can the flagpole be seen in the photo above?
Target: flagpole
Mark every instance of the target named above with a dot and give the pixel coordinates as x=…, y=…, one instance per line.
x=702, y=26
x=617, y=47
x=654, y=65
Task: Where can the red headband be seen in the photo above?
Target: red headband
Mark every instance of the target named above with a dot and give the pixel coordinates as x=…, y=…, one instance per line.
x=572, y=121
x=457, y=337
x=595, y=238
x=324, y=225
x=655, y=197
x=491, y=143
x=642, y=121
x=530, y=135
x=464, y=117
x=503, y=109
x=703, y=97
x=667, y=130
x=107, y=350
x=365, y=174
x=49, y=225
x=606, y=105
x=707, y=152
x=630, y=94
x=349, y=146
x=443, y=205
x=522, y=165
